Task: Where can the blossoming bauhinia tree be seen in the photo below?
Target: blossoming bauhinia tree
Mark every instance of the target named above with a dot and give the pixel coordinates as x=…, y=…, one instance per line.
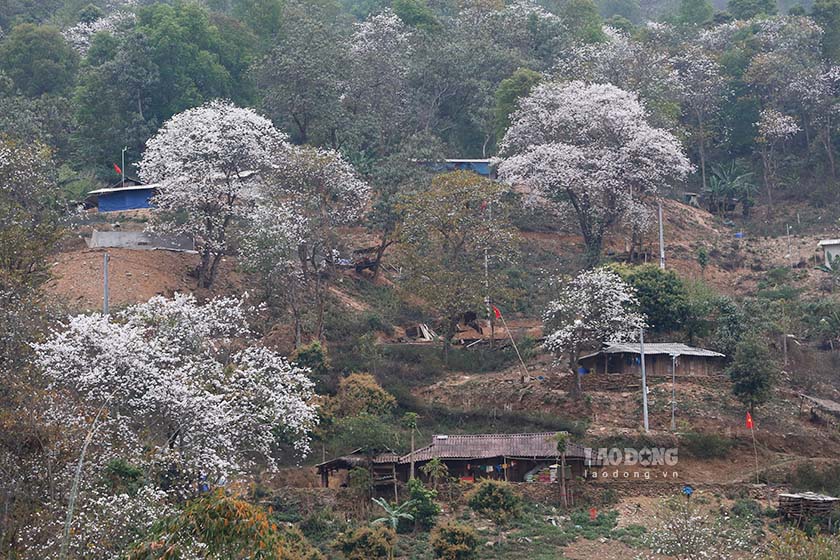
x=589, y=149
x=182, y=387
x=206, y=163
x=292, y=236
x=595, y=307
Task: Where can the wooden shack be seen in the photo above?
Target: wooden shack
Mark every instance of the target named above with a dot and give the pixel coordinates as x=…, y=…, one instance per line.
x=808, y=505
x=383, y=468
x=661, y=359
x=510, y=457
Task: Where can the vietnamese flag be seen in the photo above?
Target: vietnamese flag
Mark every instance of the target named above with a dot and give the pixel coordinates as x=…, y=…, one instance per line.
x=497, y=312
x=749, y=421
x=117, y=169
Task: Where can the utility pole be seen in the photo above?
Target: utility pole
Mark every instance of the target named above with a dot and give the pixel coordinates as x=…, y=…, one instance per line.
x=487, y=301
x=122, y=169
x=790, y=251
x=661, y=239
x=105, y=286
x=673, y=393
x=644, y=380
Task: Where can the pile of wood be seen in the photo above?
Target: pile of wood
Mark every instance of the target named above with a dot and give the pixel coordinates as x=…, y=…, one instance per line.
x=807, y=505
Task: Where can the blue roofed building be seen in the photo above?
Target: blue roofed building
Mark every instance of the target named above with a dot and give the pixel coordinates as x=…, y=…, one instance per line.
x=125, y=195
x=480, y=166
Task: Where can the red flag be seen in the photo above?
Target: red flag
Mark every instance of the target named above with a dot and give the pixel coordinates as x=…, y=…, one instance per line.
x=497, y=312
x=749, y=421
x=117, y=169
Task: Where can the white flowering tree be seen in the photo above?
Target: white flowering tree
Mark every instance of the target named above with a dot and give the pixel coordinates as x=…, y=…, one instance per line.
x=639, y=64
x=206, y=163
x=684, y=530
x=590, y=150
x=774, y=128
x=80, y=35
x=293, y=236
x=376, y=92
x=180, y=388
x=701, y=88
x=597, y=306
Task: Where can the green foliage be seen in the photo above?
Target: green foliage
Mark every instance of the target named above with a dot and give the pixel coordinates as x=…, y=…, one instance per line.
x=360, y=394
x=424, y=510
x=360, y=481
x=228, y=528
x=453, y=541
x=662, y=296
x=812, y=478
x=446, y=234
x=628, y=9
x=395, y=513
x=695, y=12
x=748, y=9
x=416, y=13
x=746, y=508
x=313, y=356
x=583, y=18
x=436, y=470
x=322, y=525
x=507, y=96
x=793, y=544
x=366, y=432
x=38, y=60
x=752, y=373
x=827, y=14
x=195, y=61
x=495, y=500
x=123, y=477
x=706, y=446
x=366, y=543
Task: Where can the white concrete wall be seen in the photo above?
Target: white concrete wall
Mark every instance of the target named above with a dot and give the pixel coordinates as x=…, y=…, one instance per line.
x=139, y=240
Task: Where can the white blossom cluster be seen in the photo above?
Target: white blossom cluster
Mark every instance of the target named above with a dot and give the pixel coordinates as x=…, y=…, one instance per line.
x=775, y=126
x=684, y=531
x=177, y=388
x=80, y=35
x=104, y=525
x=589, y=147
x=380, y=33
x=207, y=163
x=595, y=307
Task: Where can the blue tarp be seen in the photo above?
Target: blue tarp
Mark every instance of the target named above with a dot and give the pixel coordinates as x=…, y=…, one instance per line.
x=125, y=200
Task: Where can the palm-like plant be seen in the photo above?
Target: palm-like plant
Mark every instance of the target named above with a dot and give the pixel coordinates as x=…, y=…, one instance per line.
x=729, y=182
x=394, y=512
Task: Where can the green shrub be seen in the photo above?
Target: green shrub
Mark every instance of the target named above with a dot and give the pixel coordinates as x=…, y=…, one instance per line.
x=367, y=543
x=454, y=541
x=746, y=508
x=808, y=477
x=495, y=500
x=321, y=525
x=707, y=446
x=424, y=510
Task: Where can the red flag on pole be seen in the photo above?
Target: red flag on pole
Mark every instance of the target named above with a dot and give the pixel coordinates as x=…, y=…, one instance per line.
x=117, y=169
x=749, y=421
x=497, y=312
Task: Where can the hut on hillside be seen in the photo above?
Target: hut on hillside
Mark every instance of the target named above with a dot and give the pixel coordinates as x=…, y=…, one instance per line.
x=383, y=468
x=661, y=359
x=511, y=457
x=529, y=457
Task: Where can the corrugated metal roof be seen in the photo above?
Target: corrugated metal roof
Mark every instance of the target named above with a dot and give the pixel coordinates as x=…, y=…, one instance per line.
x=825, y=242
x=669, y=348
x=485, y=446
x=356, y=458
x=122, y=189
